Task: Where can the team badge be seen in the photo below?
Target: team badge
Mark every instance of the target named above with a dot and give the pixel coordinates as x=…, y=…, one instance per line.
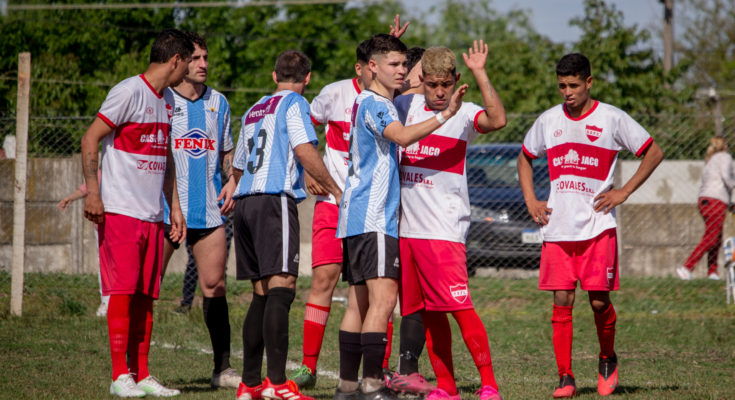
x=593, y=132
x=459, y=292
x=195, y=143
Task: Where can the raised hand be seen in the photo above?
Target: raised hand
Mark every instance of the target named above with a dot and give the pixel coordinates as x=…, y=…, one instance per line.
x=456, y=101
x=396, y=29
x=477, y=56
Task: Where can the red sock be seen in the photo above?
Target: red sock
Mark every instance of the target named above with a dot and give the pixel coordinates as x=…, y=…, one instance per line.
x=315, y=321
x=439, y=347
x=388, y=346
x=561, y=321
x=475, y=337
x=141, y=326
x=118, y=325
x=605, y=322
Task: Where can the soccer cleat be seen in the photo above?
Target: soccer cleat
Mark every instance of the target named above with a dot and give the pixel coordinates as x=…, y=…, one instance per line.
x=124, y=386
x=441, y=394
x=684, y=273
x=304, y=378
x=152, y=387
x=387, y=376
x=285, y=391
x=607, y=379
x=713, y=276
x=183, y=308
x=488, y=392
x=245, y=392
x=340, y=395
x=413, y=383
x=566, y=388
x=228, y=378
x=381, y=394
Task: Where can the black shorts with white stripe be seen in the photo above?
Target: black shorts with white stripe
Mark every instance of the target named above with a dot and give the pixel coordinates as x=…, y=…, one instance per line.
x=266, y=236
x=368, y=256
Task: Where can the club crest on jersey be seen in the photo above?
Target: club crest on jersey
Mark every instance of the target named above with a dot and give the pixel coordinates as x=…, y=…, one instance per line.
x=459, y=292
x=593, y=132
x=169, y=111
x=195, y=143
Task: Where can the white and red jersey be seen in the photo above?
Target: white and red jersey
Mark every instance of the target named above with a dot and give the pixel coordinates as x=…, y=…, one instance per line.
x=581, y=154
x=434, y=200
x=333, y=106
x=134, y=155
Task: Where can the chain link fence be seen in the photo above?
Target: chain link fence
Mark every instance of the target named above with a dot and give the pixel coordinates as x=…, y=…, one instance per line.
x=658, y=226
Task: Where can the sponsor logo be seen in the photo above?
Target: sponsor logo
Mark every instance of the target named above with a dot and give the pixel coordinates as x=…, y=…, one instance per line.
x=417, y=149
x=158, y=139
x=151, y=167
x=410, y=178
x=459, y=292
x=149, y=110
x=570, y=185
x=397, y=263
x=195, y=143
x=610, y=273
x=348, y=110
x=572, y=159
x=169, y=111
x=558, y=133
x=593, y=132
x=178, y=111
x=296, y=258
x=409, y=120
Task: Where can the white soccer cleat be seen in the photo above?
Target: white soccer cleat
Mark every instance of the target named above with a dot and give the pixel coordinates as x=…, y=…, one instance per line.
x=684, y=273
x=228, y=378
x=151, y=387
x=124, y=386
x=713, y=276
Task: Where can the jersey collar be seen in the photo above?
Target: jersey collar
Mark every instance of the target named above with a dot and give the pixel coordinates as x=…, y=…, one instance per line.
x=583, y=116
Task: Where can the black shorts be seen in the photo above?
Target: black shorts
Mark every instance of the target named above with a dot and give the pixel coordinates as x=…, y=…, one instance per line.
x=370, y=255
x=193, y=235
x=266, y=236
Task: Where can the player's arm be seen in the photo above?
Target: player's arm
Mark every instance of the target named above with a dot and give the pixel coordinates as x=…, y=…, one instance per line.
x=538, y=210
x=311, y=161
x=94, y=210
x=64, y=203
x=652, y=156
x=314, y=187
x=494, y=116
x=171, y=193
x=405, y=136
x=228, y=189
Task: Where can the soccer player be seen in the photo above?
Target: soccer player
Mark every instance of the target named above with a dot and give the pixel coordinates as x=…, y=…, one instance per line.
x=126, y=203
x=201, y=144
x=368, y=218
x=435, y=215
x=277, y=142
x=581, y=139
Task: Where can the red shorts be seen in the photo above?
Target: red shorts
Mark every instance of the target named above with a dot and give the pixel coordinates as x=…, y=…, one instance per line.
x=325, y=247
x=433, y=276
x=592, y=262
x=131, y=254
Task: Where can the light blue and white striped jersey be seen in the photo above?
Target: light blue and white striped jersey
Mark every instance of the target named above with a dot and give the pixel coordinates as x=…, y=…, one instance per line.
x=372, y=192
x=200, y=130
x=271, y=129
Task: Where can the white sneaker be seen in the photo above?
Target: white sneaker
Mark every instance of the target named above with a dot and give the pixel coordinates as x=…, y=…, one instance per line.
x=684, y=273
x=102, y=310
x=151, y=387
x=228, y=378
x=713, y=276
x=124, y=386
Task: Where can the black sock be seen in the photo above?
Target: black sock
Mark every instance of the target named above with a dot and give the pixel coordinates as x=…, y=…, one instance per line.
x=350, y=354
x=217, y=318
x=252, y=342
x=275, y=331
x=373, y=352
x=412, y=343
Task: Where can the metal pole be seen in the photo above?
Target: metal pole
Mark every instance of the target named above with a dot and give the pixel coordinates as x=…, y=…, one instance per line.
x=19, y=200
x=668, y=34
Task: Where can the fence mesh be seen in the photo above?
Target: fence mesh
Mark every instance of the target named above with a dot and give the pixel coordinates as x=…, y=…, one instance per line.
x=658, y=226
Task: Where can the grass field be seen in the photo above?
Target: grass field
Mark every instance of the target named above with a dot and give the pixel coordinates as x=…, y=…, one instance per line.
x=675, y=340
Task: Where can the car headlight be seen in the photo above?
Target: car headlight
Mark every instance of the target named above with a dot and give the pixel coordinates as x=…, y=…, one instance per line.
x=479, y=214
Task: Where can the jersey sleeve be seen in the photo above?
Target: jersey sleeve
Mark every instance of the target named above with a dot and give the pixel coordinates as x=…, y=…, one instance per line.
x=117, y=107
x=241, y=150
x=378, y=115
x=226, y=143
x=630, y=135
x=533, y=143
x=321, y=106
x=471, y=112
x=298, y=123
x=403, y=104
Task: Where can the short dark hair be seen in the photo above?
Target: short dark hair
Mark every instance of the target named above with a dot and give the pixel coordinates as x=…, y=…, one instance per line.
x=169, y=43
x=292, y=66
x=413, y=56
x=574, y=64
x=362, y=51
x=383, y=43
x=197, y=40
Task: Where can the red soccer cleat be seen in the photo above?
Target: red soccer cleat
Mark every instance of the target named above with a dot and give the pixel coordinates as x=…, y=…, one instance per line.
x=566, y=388
x=244, y=392
x=285, y=391
x=607, y=380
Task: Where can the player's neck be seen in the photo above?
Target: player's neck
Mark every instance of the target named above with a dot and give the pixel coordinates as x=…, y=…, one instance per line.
x=190, y=90
x=581, y=110
x=157, y=76
x=381, y=89
x=297, y=87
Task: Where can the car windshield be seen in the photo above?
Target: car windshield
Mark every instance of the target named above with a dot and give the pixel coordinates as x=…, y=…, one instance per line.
x=497, y=169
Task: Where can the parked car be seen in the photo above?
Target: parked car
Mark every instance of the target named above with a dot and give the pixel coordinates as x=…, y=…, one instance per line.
x=501, y=233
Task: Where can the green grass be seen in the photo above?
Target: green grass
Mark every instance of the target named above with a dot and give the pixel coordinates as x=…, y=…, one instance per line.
x=675, y=340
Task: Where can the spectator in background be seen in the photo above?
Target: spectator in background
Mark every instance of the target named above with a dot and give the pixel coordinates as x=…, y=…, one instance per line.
x=714, y=197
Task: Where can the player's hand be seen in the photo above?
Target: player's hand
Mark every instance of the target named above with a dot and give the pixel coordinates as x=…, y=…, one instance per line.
x=476, y=56
x=228, y=190
x=315, y=188
x=64, y=204
x=538, y=211
x=455, y=102
x=396, y=29
x=178, y=226
x=94, y=210
x=605, y=202
x=338, y=198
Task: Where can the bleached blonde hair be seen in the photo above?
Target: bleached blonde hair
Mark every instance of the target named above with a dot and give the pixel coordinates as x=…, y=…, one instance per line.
x=716, y=144
x=439, y=61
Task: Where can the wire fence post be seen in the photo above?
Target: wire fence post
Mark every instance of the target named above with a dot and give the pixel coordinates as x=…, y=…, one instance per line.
x=19, y=199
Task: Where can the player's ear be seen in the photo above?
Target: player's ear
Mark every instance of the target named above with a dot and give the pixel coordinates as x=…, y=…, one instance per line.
x=275, y=78
x=588, y=82
x=307, y=79
x=358, y=70
x=373, y=65
x=421, y=78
